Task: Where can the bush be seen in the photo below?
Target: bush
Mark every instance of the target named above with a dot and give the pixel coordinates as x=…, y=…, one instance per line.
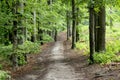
x=82, y=46
x=104, y=58
x=1, y=66
x=4, y=75
x=47, y=38
x=113, y=47
x=26, y=48
x=5, y=51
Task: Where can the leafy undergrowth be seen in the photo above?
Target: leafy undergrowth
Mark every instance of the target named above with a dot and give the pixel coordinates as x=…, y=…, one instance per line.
x=112, y=47
x=4, y=75
x=83, y=44
x=47, y=38
x=83, y=47
x=111, y=54
x=26, y=48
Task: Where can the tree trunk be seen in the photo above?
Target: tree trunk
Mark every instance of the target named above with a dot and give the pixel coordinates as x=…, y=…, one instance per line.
x=55, y=37
x=91, y=34
x=15, y=45
x=40, y=37
x=34, y=35
x=10, y=37
x=68, y=25
x=111, y=20
x=53, y=33
x=77, y=35
x=73, y=25
x=101, y=30
x=111, y=23
x=49, y=2
x=21, y=21
x=77, y=23
x=14, y=34
x=96, y=31
x=25, y=33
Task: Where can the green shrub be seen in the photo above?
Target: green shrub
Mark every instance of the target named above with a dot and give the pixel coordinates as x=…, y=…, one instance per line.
x=112, y=48
x=1, y=66
x=47, y=38
x=104, y=57
x=5, y=51
x=4, y=75
x=82, y=46
x=27, y=47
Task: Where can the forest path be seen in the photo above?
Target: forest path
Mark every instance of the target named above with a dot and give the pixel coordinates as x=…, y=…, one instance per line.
x=58, y=62
x=60, y=70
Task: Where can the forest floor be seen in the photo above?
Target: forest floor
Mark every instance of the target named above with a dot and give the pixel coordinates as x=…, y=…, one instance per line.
x=58, y=62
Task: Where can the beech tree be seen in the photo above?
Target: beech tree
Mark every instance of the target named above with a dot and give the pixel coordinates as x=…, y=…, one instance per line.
x=91, y=32
x=97, y=27
x=73, y=24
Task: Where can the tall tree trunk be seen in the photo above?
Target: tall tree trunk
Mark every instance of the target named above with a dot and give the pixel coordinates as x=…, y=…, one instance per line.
x=25, y=33
x=91, y=34
x=96, y=31
x=111, y=20
x=111, y=23
x=34, y=35
x=49, y=2
x=35, y=26
x=40, y=34
x=21, y=28
x=15, y=45
x=73, y=24
x=25, y=28
x=101, y=30
x=53, y=33
x=68, y=25
x=14, y=34
x=77, y=35
x=77, y=23
x=55, y=37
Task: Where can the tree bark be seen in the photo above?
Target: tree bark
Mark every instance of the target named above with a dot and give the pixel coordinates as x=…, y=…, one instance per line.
x=34, y=13
x=49, y=2
x=77, y=23
x=96, y=31
x=101, y=30
x=21, y=21
x=40, y=33
x=14, y=34
x=73, y=25
x=55, y=37
x=91, y=34
x=68, y=25
x=111, y=20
